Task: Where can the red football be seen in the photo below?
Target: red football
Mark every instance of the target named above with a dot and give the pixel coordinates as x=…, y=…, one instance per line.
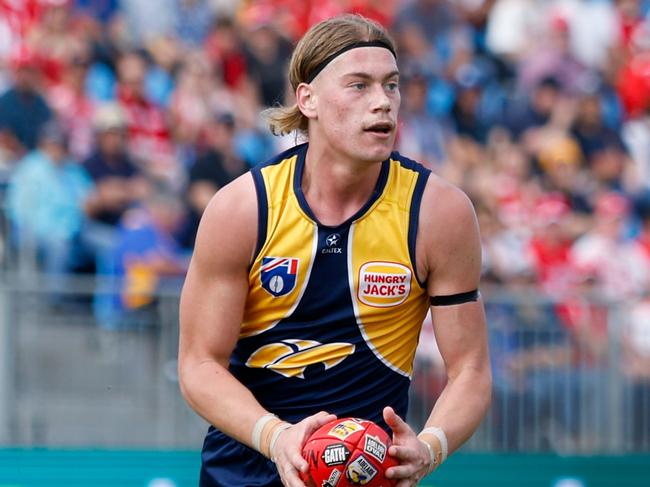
x=348, y=452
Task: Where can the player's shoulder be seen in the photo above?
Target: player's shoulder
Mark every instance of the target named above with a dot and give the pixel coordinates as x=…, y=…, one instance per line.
x=229, y=223
x=445, y=203
x=236, y=198
x=448, y=226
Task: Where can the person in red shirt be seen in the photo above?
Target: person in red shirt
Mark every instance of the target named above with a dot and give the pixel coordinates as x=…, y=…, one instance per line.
x=149, y=137
x=550, y=245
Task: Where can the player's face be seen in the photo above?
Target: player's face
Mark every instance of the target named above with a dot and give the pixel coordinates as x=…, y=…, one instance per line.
x=357, y=103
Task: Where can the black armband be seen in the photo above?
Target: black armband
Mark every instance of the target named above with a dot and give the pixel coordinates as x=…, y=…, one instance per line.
x=451, y=299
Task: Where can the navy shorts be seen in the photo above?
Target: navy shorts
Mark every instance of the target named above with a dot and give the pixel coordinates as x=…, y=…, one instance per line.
x=227, y=463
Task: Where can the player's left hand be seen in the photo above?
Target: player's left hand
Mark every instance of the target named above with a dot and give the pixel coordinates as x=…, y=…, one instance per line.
x=287, y=452
x=413, y=456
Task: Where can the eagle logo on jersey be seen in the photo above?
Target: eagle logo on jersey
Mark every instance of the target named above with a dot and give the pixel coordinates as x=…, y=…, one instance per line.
x=278, y=275
x=291, y=358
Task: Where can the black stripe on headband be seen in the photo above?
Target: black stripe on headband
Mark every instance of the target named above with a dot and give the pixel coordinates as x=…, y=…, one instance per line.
x=451, y=299
x=353, y=45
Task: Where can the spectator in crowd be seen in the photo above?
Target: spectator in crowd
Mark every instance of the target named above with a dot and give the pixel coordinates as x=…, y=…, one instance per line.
x=46, y=196
x=441, y=26
x=218, y=166
x=146, y=20
x=102, y=10
x=591, y=254
x=118, y=183
x=553, y=59
x=73, y=107
x=196, y=97
x=165, y=54
x=560, y=163
x=144, y=256
x=193, y=19
x=53, y=40
x=636, y=134
x=471, y=123
x=550, y=245
x=267, y=54
x=420, y=134
x=536, y=110
x=595, y=30
x=225, y=51
x=589, y=127
x=512, y=27
x=23, y=109
x=148, y=133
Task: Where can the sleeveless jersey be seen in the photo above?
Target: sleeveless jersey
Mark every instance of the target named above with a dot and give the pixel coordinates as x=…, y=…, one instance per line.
x=333, y=314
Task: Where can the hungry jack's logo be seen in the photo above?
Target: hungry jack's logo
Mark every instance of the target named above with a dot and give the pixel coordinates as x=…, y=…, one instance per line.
x=383, y=284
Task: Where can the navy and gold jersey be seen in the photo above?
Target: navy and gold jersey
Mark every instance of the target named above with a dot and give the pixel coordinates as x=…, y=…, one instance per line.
x=333, y=314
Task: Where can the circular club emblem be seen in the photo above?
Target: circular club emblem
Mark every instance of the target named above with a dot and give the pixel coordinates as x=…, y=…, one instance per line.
x=276, y=284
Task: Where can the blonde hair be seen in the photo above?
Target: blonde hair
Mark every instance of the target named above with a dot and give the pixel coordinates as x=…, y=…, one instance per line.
x=320, y=42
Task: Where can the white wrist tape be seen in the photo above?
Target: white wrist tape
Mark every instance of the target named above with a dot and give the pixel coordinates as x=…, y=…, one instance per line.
x=256, y=437
x=278, y=429
x=442, y=438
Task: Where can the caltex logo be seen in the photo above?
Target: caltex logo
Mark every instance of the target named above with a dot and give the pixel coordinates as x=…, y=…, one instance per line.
x=332, y=244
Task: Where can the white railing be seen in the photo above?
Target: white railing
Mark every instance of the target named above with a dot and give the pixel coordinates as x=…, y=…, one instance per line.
x=67, y=381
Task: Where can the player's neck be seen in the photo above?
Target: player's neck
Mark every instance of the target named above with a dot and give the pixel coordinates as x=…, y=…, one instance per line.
x=335, y=188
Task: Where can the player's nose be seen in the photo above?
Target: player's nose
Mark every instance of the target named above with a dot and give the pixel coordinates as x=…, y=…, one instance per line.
x=380, y=99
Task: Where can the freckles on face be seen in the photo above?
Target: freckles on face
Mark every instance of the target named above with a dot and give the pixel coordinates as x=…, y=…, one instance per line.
x=357, y=101
x=360, y=87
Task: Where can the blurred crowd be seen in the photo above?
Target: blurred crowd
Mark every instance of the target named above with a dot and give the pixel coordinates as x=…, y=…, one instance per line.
x=119, y=119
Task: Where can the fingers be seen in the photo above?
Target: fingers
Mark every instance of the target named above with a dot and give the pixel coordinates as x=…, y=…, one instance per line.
x=290, y=462
x=397, y=424
x=321, y=418
x=401, y=472
x=290, y=478
x=290, y=468
x=403, y=454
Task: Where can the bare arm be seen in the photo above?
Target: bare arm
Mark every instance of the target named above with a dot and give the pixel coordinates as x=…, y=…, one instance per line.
x=449, y=256
x=451, y=249
x=211, y=310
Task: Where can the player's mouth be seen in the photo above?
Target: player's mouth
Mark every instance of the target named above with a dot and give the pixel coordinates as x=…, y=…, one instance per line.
x=381, y=129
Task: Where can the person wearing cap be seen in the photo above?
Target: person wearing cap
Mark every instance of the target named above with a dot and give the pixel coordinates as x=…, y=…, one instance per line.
x=45, y=200
x=312, y=275
x=119, y=183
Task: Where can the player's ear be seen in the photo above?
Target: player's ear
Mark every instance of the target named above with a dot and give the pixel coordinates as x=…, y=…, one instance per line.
x=306, y=100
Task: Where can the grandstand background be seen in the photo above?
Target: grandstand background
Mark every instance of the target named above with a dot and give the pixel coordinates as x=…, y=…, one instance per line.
x=120, y=118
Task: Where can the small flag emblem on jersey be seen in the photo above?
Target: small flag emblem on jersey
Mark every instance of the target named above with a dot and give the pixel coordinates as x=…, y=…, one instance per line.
x=278, y=275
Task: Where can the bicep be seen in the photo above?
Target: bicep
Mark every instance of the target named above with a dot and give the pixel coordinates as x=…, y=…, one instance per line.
x=216, y=286
x=211, y=310
x=453, y=260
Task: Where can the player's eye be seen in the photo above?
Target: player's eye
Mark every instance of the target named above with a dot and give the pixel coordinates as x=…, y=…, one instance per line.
x=358, y=86
x=392, y=86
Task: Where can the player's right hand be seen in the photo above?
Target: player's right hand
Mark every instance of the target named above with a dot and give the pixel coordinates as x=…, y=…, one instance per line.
x=287, y=451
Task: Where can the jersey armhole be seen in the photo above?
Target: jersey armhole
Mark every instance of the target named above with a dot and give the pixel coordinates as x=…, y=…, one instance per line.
x=414, y=218
x=262, y=212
